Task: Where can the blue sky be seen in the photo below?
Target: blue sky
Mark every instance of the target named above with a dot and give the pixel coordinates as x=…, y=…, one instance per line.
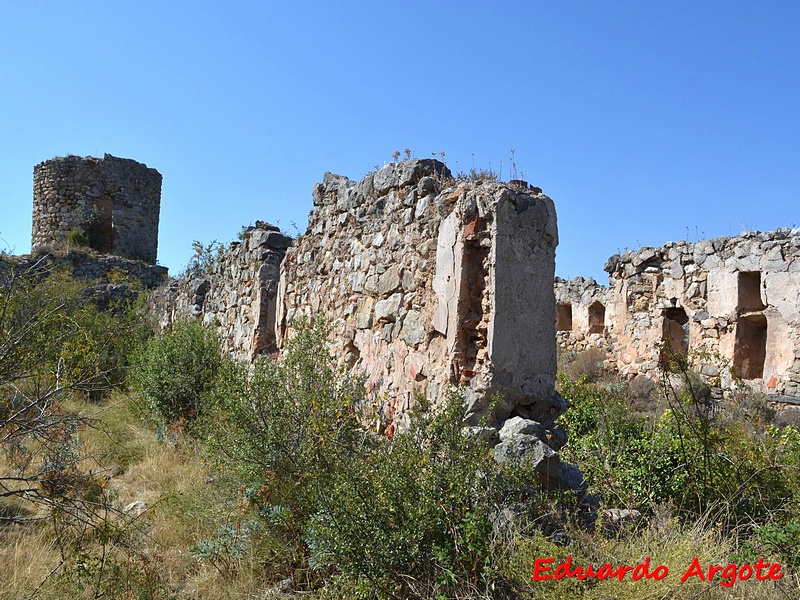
x=644, y=121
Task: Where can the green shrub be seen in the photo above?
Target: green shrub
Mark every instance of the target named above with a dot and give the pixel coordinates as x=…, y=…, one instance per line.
x=417, y=509
x=173, y=372
x=77, y=238
x=383, y=517
x=286, y=425
x=53, y=344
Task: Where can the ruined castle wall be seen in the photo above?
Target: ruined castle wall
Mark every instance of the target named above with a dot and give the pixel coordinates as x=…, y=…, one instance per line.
x=114, y=201
x=238, y=297
x=732, y=301
x=430, y=284
x=583, y=311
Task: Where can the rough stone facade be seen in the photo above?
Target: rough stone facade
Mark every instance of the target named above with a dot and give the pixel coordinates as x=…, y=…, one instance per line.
x=114, y=201
x=733, y=299
x=580, y=314
x=429, y=284
x=109, y=279
x=238, y=297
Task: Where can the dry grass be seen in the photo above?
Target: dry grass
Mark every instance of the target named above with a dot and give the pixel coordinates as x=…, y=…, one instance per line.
x=588, y=364
x=148, y=554
x=186, y=502
x=27, y=556
x=664, y=540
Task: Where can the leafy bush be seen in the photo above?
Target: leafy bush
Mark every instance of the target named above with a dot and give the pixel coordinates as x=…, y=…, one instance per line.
x=416, y=509
x=711, y=460
x=173, y=372
x=206, y=257
x=53, y=344
x=410, y=514
x=77, y=238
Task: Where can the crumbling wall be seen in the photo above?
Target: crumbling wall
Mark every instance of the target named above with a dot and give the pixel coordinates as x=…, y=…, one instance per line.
x=238, y=297
x=582, y=311
x=731, y=301
x=109, y=279
x=115, y=202
x=429, y=283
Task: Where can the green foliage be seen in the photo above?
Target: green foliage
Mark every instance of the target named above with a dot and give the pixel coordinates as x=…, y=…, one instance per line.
x=53, y=343
x=779, y=541
x=88, y=575
x=225, y=550
x=382, y=514
x=77, y=238
x=417, y=508
x=287, y=425
x=710, y=459
x=174, y=371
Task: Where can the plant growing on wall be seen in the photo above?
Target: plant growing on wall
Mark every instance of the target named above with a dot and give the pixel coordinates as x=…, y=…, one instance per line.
x=77, y=238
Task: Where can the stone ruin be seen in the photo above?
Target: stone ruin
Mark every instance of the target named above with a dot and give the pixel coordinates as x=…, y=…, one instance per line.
x=113, y=201
x=430, y=283
x=427, y=282
x=238, y=298
x=729, y=300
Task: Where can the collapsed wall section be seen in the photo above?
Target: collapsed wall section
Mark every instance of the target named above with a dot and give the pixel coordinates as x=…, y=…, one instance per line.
x=238, y=296
x=114, y=202
x=429, y=283
x=582, y=307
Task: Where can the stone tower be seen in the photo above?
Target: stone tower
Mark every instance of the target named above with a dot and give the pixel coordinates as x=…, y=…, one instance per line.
x=115, y=202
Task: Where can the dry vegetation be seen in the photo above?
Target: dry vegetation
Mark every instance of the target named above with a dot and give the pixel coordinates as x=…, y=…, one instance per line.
x=224, y=483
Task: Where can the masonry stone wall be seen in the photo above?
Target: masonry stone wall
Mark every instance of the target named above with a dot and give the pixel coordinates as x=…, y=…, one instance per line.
x=730, y=300
x=114, y=201
x=238, y=297
x=109, y=279
x=581, y=306
x=430, y=283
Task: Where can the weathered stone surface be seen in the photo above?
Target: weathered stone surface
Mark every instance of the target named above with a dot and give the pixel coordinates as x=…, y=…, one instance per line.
x=530, y=452
x=419, y=265
x=518, y=425
x=238, y=298
x=413, y=332
x=735, y=298
x=388, y=308
x=389, y=281
x=114, y=201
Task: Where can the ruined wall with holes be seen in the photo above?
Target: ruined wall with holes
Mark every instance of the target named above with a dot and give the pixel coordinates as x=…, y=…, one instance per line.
x=427, y=282
x=237, y=298
x=430, y=283
x=733, y=299
x=115, y=202
x=581, y=306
